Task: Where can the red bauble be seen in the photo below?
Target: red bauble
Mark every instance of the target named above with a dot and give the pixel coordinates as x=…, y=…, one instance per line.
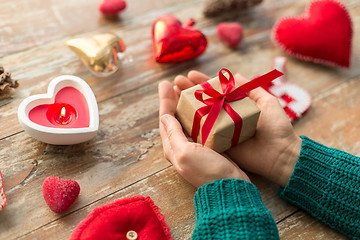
x=173, y=42
x=321, y=35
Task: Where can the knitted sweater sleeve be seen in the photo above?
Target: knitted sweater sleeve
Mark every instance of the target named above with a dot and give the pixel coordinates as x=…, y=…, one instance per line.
x=326, y=183
x=232, y=209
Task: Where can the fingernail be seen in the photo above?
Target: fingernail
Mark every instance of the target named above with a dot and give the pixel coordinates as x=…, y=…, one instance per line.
x=165, y=119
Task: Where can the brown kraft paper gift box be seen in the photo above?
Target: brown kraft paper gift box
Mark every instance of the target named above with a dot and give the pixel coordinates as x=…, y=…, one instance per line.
x=221, y=134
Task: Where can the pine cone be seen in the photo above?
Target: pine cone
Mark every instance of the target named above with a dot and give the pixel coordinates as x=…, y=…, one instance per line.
x=216, y=7
x=5, y=80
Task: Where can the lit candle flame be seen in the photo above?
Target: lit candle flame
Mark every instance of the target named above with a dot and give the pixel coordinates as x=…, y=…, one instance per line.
x=63, y=112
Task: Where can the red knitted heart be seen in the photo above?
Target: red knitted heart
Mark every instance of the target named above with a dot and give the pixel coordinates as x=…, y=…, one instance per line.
x=112, y=7
x=230, y=33
x=322, y=34
x=128, y=218
x=173, y=42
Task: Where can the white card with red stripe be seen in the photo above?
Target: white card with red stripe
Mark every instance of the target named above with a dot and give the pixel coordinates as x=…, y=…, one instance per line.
x=3, y=198
x=295, y=100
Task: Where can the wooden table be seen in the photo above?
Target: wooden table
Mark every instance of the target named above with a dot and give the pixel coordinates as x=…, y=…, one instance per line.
x=126, y=158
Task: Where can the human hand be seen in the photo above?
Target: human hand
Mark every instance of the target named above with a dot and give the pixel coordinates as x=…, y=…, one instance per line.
x=197, y=164
x=274, y=150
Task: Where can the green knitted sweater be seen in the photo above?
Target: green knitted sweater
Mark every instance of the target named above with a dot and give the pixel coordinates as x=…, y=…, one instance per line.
x=325, y=182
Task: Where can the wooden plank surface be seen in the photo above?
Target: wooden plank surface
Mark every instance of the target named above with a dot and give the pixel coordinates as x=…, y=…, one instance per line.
x=125, y=158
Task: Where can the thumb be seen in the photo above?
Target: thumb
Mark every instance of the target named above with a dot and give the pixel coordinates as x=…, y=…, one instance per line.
x=240, y=79
x=174, y=132
x=255, y=94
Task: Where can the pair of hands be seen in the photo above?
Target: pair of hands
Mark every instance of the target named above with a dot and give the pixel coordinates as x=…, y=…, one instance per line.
x=272, y=152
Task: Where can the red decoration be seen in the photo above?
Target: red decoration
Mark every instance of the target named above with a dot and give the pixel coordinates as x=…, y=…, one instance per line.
x=124, y=219
x=173, y=42
x=60, y=194
x=76, y=110
x=230, y=33
x=322, y=34
x=3, y=198
x=295, y=100
x=112, y=7
x=61, y=114
x=217, y=101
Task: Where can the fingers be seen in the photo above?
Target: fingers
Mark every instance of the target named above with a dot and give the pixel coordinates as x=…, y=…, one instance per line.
x=168, y=153
x=168, y=99
x=256, y=94
x=197, y=77
x=194, y=78
x=182, y=82
x=175, y=134
x=177, y=90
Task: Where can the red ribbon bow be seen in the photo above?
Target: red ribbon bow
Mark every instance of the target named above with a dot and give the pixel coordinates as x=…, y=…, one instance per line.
x=217, y=101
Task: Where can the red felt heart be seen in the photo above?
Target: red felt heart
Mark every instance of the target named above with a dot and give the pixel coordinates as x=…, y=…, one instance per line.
x=70, y=96
x=230, y=33
x=322, y=34
x=112, y=7
x=173, y=42
x=60, y=194
x=124, y=217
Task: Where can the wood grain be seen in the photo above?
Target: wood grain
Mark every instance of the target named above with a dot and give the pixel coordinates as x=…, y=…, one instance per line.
x=302, y=226
x=334, y=118
x=125, y=158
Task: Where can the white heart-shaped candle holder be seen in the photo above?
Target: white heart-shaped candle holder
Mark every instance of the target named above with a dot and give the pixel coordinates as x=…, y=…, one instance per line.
x=67, y=114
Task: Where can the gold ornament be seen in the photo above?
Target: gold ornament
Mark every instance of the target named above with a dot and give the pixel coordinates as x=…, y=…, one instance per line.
x=102, y=53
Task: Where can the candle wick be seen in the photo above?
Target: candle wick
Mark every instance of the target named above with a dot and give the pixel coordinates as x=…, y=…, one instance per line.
x=63, y=112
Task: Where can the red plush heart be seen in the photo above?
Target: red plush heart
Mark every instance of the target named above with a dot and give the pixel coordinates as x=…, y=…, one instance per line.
x=322, y=34
x=60, y=194
x=173, y=42
x=230, y=33
x=135, y=216
x=112, y=7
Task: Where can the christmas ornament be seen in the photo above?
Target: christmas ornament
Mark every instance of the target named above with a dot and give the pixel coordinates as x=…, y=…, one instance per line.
x=102, y=53
x=60, y=194
x=128, y=218
x=217, y=7
x=230, y=33
x=322, y=34
x=5, y=80
x=295, y=100
x=3, y=198
x=112, y=7
x=173, y=42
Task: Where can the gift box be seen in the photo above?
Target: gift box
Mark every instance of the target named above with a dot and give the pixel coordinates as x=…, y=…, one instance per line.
x=217, y=113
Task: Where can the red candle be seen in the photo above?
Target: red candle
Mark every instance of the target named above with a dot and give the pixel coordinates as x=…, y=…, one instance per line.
x=69, y=110
x=61, y=114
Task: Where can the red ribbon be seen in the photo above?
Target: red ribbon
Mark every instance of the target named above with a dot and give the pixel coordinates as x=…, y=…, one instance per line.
x=217, y=101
